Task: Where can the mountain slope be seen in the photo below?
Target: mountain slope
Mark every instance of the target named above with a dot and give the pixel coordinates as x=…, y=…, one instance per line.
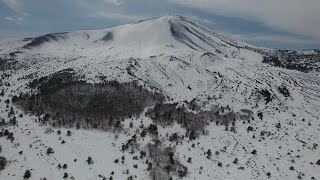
x=202, y=90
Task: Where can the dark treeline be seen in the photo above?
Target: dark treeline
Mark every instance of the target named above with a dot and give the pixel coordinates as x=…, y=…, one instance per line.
x=8, y=62
x=63, y=100
x=194, y=123
x=294, y=60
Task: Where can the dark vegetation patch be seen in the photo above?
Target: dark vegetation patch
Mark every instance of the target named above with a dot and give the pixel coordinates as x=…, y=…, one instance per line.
x=193, y=122
x=272, y=60
x=266, y=95
x=284, y=91
x=193, y=105
x=55, y=81
x=294, y=60
x=27, y=174
x=108, y=37
x=62, y=99
x=130, y=144
x=13, y=54
x=7, y=63
x=164, y=164
x=7, y=134
x=3, y=162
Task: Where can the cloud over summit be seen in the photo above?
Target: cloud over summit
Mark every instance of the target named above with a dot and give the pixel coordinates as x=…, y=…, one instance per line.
x=294, y=16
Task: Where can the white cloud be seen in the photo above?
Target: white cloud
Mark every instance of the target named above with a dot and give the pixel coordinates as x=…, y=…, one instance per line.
x=15, y=5
x=16, y=20
x=110, y=15
x=115, y=2
x=295, y=16
x=274, y=38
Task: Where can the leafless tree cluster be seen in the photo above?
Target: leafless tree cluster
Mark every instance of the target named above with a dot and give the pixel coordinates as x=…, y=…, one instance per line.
x=163, y=163
x=63, y=100
x=193, y=122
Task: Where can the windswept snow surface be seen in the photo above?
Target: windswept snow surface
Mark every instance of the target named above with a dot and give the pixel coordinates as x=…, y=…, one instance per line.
x=185, y=61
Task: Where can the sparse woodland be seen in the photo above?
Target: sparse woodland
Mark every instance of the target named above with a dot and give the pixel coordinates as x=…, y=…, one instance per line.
x=194, y=123
x=62, y=100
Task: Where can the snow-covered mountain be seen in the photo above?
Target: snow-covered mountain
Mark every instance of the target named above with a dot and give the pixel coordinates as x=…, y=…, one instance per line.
x=157, y=99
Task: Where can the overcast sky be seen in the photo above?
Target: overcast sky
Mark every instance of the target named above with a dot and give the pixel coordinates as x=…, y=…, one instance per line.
x=290, y=24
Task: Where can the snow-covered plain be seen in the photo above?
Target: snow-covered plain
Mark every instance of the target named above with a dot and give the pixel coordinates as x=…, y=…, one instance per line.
x=185, y=61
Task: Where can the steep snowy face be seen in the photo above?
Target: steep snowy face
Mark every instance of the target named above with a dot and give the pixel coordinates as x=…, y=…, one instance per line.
x=198, y=37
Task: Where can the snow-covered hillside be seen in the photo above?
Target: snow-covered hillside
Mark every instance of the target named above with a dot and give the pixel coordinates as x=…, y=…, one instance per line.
x=158, y=99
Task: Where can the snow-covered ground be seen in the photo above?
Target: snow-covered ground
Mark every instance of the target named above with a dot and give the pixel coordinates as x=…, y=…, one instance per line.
x=185, y=61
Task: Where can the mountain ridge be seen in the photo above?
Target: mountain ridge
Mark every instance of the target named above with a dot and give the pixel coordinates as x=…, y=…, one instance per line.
x=162, y=34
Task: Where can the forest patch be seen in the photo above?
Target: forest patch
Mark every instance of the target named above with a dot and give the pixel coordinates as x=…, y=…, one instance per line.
x=62, y=99
x=194, y=122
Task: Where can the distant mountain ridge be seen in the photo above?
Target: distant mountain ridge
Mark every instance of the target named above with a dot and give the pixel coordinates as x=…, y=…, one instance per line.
x=168, y=31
